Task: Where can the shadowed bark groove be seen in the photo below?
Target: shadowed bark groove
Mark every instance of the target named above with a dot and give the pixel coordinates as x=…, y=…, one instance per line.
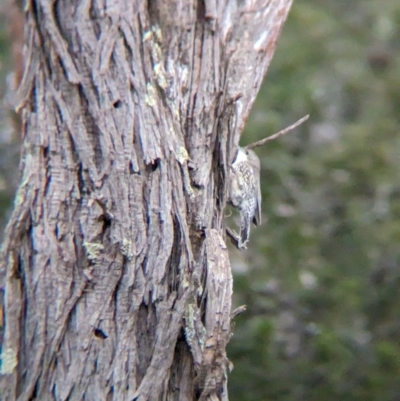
x=118, y=282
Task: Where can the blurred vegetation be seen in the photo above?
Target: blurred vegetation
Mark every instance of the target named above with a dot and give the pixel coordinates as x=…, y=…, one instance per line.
x=9, y=121
x=321, y=280
x=322, y=277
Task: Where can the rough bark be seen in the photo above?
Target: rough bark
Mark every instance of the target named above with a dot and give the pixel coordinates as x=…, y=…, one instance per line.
x=118, y=283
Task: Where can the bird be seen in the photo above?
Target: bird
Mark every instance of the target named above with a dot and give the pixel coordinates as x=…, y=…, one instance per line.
x=245, y=191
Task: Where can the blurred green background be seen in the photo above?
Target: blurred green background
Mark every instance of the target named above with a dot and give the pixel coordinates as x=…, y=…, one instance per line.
x=11, y=42
x=321, y=278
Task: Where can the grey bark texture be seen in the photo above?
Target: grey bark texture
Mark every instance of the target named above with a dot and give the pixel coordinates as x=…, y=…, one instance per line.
x=117, y=277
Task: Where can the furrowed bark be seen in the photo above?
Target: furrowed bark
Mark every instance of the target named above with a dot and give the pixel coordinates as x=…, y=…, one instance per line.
x=118, y=283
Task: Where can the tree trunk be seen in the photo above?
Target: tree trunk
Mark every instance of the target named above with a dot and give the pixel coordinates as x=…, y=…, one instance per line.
x=118, y=283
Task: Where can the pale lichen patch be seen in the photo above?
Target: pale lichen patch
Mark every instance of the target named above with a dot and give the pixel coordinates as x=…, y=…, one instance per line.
x=150, y=97
x=182, y=155
x=160, y=75
x=93, y=249
x=126, y=248
x=9, y=361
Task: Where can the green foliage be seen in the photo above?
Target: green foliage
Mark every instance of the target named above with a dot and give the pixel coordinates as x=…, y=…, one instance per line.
x=323, y=290
x=9, y=148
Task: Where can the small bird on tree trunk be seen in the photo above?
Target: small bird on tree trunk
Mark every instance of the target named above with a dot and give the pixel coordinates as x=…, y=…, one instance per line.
x=245, y=192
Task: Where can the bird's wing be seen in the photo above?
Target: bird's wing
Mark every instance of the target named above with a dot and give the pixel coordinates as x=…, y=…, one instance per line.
x=257, y=213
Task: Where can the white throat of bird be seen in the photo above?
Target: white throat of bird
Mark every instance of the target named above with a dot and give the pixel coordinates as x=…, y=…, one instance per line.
x=241, y=156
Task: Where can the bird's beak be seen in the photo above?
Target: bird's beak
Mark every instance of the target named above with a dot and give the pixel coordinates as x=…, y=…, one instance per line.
x=236, y=155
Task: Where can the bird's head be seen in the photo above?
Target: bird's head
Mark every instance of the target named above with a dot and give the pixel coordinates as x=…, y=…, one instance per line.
x=249, y=156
